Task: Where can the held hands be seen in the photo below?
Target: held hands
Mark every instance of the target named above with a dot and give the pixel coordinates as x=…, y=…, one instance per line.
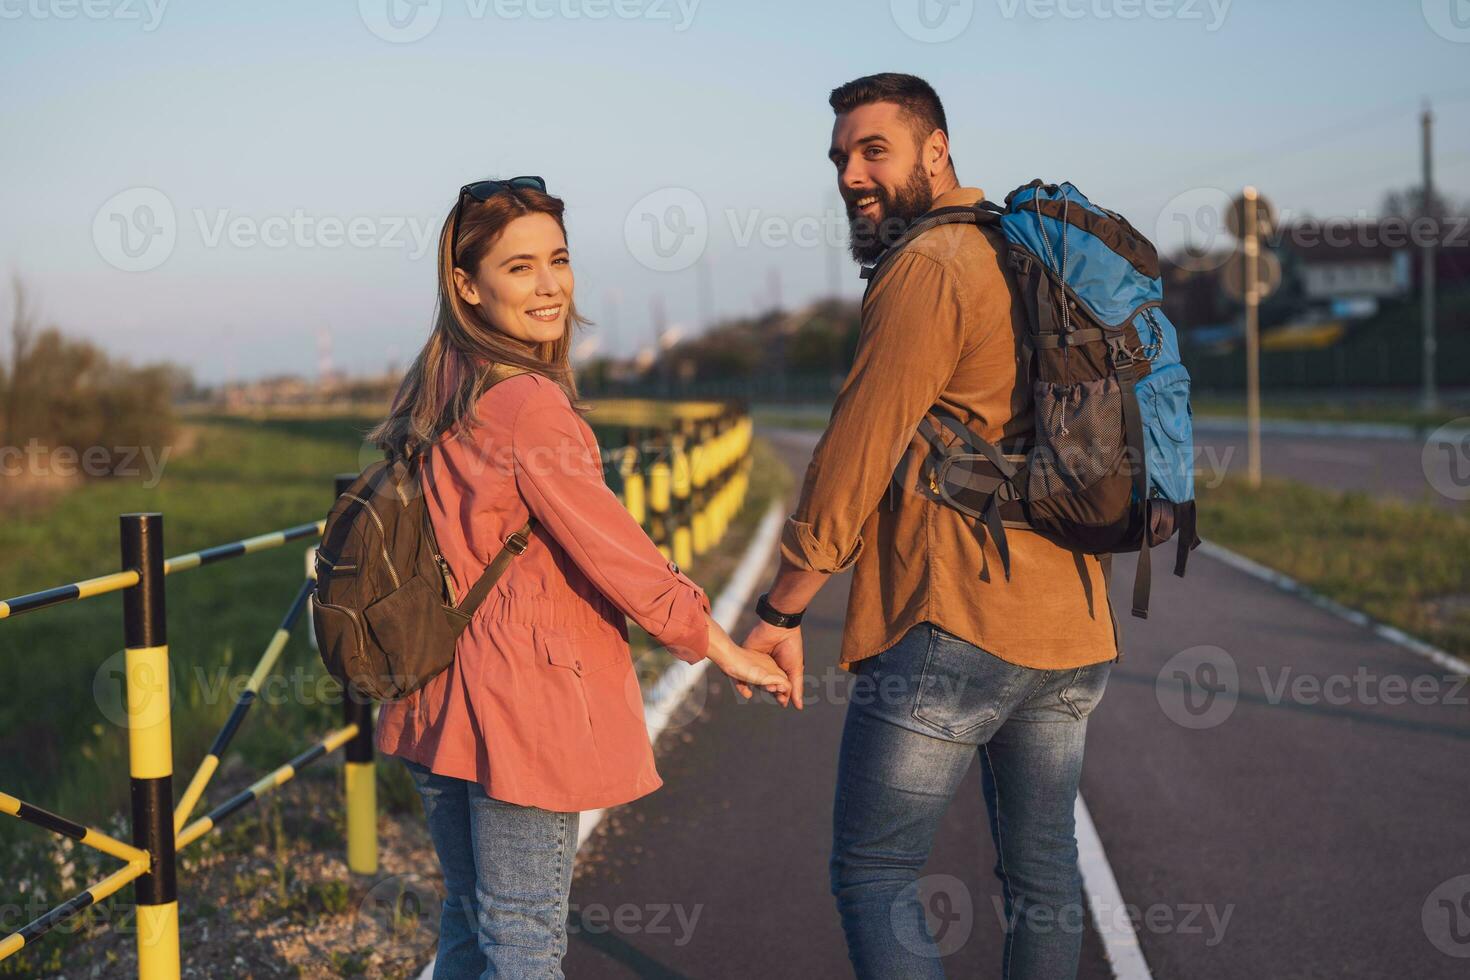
x=747, y=668
x=783, y=646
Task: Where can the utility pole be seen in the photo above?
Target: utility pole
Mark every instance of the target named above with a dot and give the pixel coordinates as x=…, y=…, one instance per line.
x=1252, y=240
x=1429, y=398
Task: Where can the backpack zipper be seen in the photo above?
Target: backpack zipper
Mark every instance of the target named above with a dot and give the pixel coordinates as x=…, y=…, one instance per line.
x=448, y=582
x=382, y=538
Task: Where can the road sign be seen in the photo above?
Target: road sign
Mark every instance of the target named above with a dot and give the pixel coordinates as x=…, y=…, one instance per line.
x=1265, y=217
x=1268, y=275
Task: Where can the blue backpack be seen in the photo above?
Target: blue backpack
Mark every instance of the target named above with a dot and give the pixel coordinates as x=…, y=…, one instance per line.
x=1111, y=466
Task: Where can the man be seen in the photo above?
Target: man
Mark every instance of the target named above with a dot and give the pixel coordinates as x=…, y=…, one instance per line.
x=951, y=659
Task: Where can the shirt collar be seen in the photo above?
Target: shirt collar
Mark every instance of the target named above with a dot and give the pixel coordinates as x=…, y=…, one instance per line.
x=960, y=197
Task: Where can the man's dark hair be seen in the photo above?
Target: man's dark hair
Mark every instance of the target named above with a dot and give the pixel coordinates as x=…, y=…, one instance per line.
x=912, y=94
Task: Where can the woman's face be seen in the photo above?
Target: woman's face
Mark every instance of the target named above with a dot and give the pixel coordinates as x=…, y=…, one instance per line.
x=524, y=283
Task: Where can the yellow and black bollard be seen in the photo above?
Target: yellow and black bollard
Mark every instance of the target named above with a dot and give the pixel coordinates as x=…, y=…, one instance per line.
x=150, y=746
x=681, y=485
x=359, y=769
x=632, y=473
x=660, y=523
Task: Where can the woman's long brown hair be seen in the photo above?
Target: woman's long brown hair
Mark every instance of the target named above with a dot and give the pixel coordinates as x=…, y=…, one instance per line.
x=439, y=392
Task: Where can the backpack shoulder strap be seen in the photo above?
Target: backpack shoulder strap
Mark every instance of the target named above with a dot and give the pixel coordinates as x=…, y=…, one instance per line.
x=979, y=214
x=515, y=543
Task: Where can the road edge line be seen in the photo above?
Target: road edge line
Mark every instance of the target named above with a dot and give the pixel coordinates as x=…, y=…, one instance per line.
x=1120, y=941
x=1286, y=583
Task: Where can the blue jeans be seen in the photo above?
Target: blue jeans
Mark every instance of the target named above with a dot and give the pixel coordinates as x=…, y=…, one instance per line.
x=920, y=712
x=507, y=876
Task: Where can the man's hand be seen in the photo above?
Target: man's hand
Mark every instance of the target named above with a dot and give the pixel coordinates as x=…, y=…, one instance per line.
x=784, y=646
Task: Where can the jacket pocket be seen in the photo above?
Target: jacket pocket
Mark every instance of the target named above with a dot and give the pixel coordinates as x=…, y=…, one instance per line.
x=582, y=653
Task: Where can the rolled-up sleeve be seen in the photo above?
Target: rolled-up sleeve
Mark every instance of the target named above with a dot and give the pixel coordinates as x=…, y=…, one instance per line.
x=911, y=338
x=559, y=474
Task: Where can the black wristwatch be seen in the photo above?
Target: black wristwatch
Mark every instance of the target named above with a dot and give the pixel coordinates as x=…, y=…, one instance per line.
x=770, y=614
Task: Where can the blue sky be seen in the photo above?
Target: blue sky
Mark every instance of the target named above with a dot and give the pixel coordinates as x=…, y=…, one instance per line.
x=299, y=152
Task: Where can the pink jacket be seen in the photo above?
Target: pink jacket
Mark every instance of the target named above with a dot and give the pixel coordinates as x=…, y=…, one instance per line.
x=542, y=705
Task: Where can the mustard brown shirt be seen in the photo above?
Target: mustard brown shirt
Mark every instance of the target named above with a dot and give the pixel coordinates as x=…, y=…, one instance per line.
x=940, y=326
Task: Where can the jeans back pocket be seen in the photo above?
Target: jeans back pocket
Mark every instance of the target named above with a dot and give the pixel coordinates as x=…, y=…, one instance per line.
x=963, y=688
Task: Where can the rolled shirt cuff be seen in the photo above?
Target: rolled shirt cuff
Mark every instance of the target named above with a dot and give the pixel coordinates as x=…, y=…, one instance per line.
x=801, y=547
x=686, y=634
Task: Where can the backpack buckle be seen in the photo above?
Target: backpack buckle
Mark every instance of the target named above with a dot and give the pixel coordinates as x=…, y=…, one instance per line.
x=516, y=543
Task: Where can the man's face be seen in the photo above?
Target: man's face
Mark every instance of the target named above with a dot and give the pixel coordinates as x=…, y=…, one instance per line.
x=881, y=176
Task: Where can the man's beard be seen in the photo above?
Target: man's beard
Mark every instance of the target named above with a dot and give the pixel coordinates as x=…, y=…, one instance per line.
x=868, y=239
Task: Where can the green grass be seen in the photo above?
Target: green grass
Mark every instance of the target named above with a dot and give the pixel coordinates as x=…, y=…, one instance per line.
x=1406, y=564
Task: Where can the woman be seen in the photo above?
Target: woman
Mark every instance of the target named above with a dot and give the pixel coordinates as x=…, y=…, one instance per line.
x=541, y=715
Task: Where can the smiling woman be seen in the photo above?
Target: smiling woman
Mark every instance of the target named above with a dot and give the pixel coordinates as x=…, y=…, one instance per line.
x=539, y=714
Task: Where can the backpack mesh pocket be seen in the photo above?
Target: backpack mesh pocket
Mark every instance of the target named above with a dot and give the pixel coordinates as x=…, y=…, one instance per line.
x=1079, y=436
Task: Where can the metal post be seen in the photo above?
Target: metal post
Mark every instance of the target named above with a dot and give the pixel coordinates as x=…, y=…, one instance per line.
x=682, y=486
x=659, y=473
x=359, y=769
x=150, y=745
x=1252, y=336
x=1429, y=398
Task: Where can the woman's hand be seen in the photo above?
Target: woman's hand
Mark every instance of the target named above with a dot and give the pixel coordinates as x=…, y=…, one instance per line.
x=746, y=668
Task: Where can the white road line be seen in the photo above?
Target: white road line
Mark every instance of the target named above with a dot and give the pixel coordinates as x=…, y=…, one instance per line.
x=676, y=682
x=1109, y=914
x=1288, y=584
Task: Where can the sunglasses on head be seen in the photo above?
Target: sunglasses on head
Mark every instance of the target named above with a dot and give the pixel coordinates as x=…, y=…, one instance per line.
x=483, y=190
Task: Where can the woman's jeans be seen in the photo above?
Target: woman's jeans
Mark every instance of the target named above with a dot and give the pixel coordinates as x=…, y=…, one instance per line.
x=507, y=874
x=920, y=711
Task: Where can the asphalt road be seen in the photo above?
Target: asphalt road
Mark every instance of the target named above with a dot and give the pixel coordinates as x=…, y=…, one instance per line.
x=1280, y=794
x=1391, y=467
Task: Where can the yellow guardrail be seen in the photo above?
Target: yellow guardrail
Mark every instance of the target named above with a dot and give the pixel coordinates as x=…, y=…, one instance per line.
x=681, y=469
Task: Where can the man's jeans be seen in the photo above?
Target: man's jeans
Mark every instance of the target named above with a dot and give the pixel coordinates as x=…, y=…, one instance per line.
x=507, y=874
x=919, y=713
